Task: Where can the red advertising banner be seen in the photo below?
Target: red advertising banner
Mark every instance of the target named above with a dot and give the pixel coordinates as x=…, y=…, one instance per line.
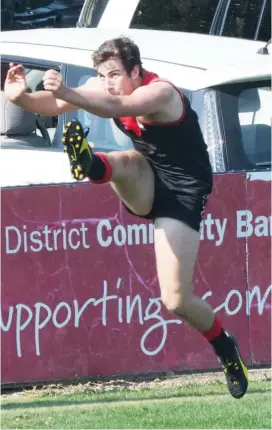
x=259, y=230
x=80, y=296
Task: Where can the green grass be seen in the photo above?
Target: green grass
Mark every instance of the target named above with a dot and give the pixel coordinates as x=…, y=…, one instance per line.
x=193, y=406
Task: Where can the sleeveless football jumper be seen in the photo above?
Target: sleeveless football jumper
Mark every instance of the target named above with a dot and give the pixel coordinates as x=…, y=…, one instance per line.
x=178, y=156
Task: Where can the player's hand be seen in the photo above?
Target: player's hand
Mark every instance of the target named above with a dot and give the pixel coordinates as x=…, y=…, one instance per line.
x=15, y=84
x=53, y=81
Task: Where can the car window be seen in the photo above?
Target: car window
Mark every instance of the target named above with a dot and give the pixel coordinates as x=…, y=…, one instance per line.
x=175, y=15
x=254, y=111
x=243, y=17
x=246, y=116
x=30, y=143
x=23, y=129
x=103, y=134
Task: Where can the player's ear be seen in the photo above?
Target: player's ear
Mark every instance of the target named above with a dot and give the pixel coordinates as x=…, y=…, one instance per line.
x=135, y=72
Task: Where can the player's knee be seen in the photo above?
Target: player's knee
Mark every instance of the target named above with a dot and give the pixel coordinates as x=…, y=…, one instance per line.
x=176, y=302
x=133, y=163
x=171, y=305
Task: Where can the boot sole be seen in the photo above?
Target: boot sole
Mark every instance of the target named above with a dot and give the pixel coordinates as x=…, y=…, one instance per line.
x=74, y=143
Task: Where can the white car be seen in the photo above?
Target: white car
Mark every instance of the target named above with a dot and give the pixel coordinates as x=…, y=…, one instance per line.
x=227, y=81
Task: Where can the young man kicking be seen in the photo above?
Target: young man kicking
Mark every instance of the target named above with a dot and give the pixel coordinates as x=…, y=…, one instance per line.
x=167, y=177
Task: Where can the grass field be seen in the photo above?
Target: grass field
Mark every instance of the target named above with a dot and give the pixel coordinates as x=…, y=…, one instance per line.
x=192, y=406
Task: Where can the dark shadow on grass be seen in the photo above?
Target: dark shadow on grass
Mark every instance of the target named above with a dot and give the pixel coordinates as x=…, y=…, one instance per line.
x=65, y=402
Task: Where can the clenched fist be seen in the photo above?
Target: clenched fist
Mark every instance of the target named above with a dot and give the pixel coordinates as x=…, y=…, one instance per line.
x=52, y=81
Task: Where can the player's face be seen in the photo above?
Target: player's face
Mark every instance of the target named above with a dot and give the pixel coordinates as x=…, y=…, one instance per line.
x=115, y=78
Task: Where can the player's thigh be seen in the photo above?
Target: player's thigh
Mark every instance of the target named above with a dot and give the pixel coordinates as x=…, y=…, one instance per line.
x=176, y=248
x=135, y=186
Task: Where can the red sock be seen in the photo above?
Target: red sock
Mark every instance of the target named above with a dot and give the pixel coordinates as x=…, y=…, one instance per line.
x=215, y=331
x=107, y=167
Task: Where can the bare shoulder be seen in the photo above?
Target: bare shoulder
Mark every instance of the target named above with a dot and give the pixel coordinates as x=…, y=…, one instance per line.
x=167, y=99
x=163, y=85
x=167, y=87
x=94, y=83
x=159, y=87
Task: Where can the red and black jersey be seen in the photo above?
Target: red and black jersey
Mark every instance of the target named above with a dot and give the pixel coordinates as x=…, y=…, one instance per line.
x=177, y=150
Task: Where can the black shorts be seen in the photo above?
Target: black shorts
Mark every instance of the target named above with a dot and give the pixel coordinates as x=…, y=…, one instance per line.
x=184, y=204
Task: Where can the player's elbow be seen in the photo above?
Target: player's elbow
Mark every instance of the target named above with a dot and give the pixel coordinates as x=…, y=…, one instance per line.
x=61, y=107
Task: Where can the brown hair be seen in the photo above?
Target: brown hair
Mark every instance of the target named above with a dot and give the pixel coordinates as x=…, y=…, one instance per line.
x=122, y=48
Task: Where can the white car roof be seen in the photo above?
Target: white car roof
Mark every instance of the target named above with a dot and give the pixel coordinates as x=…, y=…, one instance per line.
x=192, y=61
